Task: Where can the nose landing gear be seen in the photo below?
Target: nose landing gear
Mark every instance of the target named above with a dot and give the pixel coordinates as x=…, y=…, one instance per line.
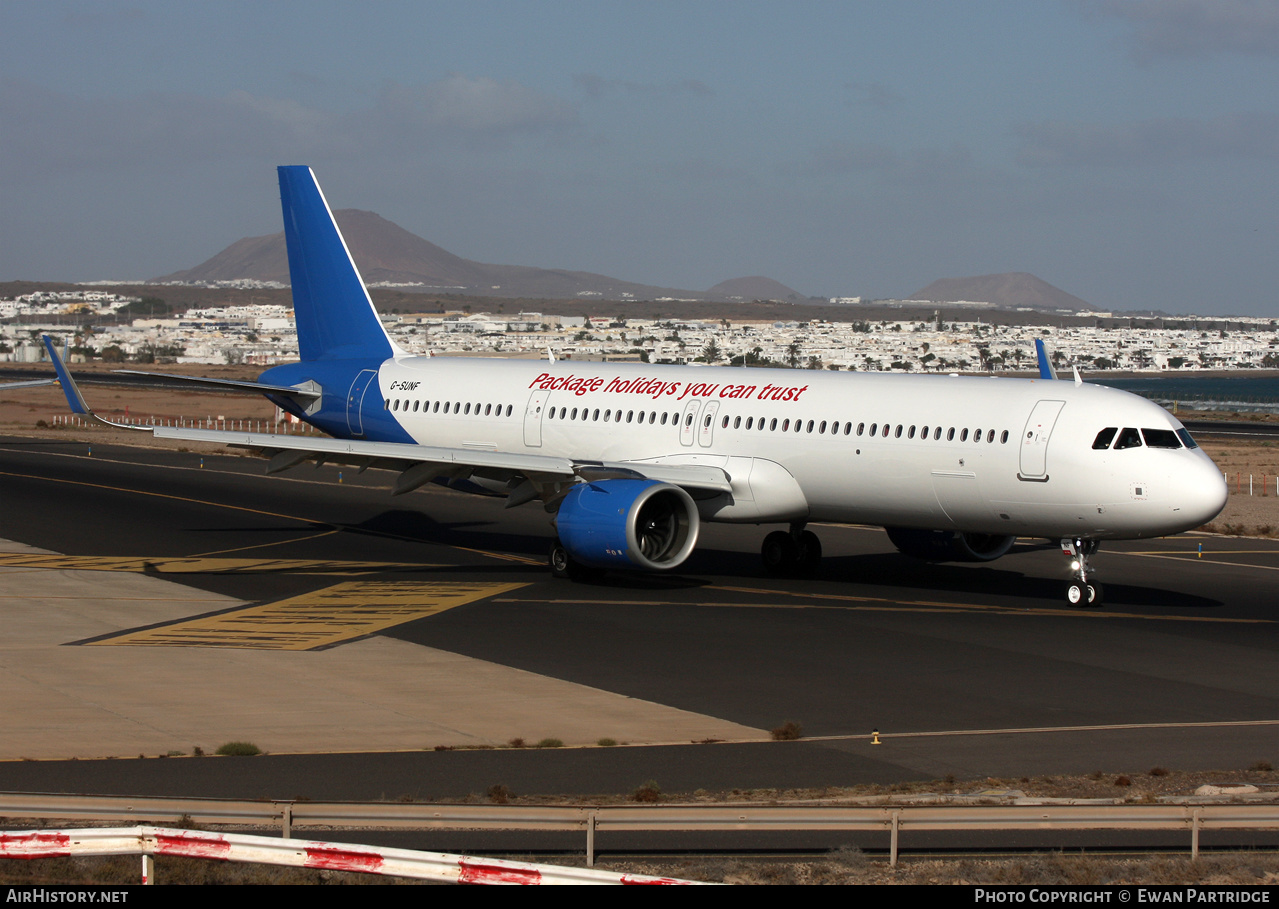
x=1083, y=591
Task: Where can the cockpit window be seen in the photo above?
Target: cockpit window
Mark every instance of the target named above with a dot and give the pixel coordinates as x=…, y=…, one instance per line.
x=1128, y=438
x=1105, y=437
x=1160, y=438
x=1186, y=440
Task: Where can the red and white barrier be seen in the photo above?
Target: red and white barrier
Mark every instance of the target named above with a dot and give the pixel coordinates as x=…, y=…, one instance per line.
x=149, y=842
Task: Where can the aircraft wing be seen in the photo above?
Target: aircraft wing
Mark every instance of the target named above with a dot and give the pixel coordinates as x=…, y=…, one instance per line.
x=30, y=383
x=529, y=476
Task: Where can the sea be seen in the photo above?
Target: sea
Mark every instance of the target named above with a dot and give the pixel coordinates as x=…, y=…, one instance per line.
x=1240, y=393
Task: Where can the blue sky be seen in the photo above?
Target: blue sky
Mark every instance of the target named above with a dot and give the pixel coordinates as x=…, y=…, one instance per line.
x=1123, y=150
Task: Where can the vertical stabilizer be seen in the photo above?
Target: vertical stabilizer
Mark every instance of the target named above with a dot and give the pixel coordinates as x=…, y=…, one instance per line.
x=335, y=317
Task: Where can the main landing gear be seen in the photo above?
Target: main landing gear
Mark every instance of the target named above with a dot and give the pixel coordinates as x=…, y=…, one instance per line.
x=1082, y=591
x=793, y=554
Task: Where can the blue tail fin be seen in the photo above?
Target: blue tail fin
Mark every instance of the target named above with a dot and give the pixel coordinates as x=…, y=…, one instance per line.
x=335, y=317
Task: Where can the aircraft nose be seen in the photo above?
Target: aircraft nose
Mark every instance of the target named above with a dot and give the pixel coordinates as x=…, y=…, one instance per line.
x=1204, y=493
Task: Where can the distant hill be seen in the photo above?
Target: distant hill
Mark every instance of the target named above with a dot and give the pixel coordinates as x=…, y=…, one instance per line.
x=1007, y=291
x=386, y=252
x=756, y=288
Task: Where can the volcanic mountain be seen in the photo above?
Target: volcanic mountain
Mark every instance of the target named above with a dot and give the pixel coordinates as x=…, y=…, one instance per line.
x=387, y=253
x=1006, y=291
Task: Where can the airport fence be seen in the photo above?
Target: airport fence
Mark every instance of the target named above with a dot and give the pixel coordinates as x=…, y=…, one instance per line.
x=280, y=427
x=893, y=820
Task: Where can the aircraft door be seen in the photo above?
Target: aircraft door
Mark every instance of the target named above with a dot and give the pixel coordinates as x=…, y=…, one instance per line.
x=706, y=424
x=1034, y=440
x=533, y=418
x=688, y=423
x=355, y=400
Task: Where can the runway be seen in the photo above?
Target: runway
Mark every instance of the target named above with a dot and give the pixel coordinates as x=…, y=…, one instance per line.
x=326, y=619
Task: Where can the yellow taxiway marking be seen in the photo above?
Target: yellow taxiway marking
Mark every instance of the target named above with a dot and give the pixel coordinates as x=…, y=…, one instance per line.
x=201, y=565
x=321, y=618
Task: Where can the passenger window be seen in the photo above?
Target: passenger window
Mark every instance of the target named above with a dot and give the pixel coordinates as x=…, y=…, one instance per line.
x=936, y=433
x=689, y=421
x=810, y=426
x=884, y=432
x=990, y=436
x=963, y=435
x=1003, y=437
x=950, y=434
x=910, y=433
x=873, y=428
x=1128, y=438
x=750, y=422
x=822, y=427
x=1105, y=437
x=898, y=433
x=1160, y=438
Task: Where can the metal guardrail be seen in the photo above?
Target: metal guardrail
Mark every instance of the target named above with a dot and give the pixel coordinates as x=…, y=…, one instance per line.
x=149, y=842
x=892, y=819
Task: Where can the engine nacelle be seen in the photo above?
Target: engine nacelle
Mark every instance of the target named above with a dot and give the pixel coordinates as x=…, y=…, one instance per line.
x=622, y=523
x=949, y=545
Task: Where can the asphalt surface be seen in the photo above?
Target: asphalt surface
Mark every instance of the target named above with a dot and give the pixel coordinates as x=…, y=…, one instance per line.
x=967, y=670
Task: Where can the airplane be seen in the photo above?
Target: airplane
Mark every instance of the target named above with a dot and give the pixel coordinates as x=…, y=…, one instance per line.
x=630, y=459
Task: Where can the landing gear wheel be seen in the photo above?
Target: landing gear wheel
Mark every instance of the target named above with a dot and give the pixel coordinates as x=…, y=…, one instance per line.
x=1083, y=590
x=810, y=554
x=780, y=553
x=561, y=562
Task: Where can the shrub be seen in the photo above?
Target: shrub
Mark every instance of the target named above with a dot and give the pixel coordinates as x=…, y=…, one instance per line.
x=239, y=749
x=606, y=743
x=649, y=792
x=788, y=732
x=499, y=794
x=549, y=743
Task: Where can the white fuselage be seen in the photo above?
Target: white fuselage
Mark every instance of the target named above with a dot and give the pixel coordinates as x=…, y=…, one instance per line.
x=982, y=455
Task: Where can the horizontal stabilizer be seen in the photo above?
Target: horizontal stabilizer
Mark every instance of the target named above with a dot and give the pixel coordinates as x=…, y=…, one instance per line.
x=230, y=385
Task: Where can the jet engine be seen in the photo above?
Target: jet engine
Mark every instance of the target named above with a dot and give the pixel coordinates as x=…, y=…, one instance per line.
x=625, y=523
x=949, y=545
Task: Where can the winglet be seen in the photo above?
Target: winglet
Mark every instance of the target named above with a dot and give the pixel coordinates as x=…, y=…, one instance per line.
x=75, y=400
x=1046, y=370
